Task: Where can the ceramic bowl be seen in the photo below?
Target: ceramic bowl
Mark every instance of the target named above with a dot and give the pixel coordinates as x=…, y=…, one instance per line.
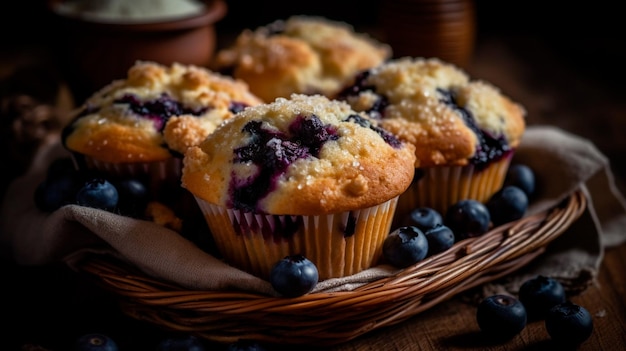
x=93, y=52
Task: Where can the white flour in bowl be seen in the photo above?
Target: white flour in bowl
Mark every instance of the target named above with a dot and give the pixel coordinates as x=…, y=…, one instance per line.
x=135, y=11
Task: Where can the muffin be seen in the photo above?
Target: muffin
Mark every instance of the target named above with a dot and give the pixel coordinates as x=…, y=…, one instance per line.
x=465, y=131
x=303, y=54
x=305, y=175
x=141, y=126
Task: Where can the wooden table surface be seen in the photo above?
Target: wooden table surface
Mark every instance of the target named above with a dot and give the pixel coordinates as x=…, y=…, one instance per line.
x=558, y=82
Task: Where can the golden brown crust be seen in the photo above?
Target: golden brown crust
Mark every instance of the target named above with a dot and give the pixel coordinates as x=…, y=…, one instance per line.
x=310, y=55
x=357, y=170
x=416, y=113
x=111, y=132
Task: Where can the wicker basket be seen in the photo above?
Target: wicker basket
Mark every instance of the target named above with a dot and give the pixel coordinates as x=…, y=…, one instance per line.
x=335, y=317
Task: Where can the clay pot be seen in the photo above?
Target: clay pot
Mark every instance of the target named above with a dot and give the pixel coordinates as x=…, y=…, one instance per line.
x=430, y=28
x=93, y=53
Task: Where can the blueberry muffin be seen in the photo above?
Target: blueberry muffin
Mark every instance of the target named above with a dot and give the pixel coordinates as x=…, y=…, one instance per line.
x=464, y=131
x=304, y=175
x=303, y=54
x=141, y=125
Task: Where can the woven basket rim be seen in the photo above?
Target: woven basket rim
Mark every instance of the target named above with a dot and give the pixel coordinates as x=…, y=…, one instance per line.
x=328, y=318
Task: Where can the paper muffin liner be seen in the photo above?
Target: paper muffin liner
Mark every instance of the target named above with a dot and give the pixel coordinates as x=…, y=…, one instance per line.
x=339, y=244
x=441, y=187
x=162, y=177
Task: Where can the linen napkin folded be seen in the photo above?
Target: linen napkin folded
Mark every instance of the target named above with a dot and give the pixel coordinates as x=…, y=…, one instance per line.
x=562, y=162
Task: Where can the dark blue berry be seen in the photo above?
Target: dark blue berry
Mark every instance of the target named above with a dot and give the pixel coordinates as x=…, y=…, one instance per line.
x=95, y=342
x=467, y=219
x=181, y=343
x=245, y=345
x=501, y=317
x=57, y=191
x=521, y=176
x=98, y=193
x=569, y=324
x=133, y=197
x=440, y=238
x=539, y=294
x=405, y=246
x=424, y=218
x=294, y=276
x=507, y=205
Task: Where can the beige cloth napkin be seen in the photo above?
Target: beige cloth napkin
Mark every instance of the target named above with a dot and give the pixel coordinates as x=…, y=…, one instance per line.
x=563, y=163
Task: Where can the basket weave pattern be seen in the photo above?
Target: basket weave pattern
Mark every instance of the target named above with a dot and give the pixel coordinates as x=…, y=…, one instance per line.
x=328, y=318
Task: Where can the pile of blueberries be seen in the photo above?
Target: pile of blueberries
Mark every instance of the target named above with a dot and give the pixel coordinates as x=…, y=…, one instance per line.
x=501, y=317
x=426, y=232
x=64, y=184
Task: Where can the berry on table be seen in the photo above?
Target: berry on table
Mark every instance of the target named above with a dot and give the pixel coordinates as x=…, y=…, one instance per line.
x=569, y=324
x=294, y=276
x=539, y=294
x=405, y=246
x=95, y=342
x=501, y=317
x=467, y=218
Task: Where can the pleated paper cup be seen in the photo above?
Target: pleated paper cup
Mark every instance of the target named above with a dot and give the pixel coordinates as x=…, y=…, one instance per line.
x=441, y=187
x=161, y=177
x=340, y=244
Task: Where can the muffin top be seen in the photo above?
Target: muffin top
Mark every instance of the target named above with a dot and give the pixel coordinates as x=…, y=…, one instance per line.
x=306, y=155
x=303, y=54
x=156, y=112
x=449, y=118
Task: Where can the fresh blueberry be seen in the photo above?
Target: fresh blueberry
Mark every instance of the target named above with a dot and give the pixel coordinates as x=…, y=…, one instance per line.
x=245, y=345
x=294, y=276
x=467, y=218
x=405, y=246
x=440, y=238
x=133, y=197
x=57, y=191
x=424, y=218
x=95, y=342
x=539, y=294
x=507, y=205
x=569, y=324
x=501, y=317
x=98, y=193
x=521, y=176
x=180, y=343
